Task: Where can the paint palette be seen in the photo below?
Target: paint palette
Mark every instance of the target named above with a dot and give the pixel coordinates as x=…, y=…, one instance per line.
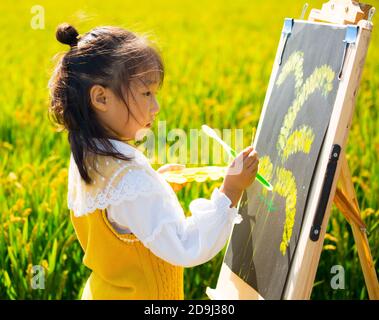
x=198, y=174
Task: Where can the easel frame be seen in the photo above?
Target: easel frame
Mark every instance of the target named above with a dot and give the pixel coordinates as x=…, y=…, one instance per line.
x=301, y=276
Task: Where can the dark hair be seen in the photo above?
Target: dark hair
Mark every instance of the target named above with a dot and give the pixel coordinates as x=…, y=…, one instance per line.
x=109, y=56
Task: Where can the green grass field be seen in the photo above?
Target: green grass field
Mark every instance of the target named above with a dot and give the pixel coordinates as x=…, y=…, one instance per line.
x=218, y=56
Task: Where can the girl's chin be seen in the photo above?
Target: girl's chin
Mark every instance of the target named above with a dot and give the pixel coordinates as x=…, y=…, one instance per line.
x=142, y=131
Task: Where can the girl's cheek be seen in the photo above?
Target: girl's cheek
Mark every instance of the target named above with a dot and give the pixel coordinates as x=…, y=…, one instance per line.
x=144, y=111
x=137, y=108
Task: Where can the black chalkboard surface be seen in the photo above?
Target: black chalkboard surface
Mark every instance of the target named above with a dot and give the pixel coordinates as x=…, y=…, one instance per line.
x=289, y=140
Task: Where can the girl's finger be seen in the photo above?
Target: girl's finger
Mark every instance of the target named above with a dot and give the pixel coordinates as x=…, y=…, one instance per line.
x=250, y=159
x=248, y=162
x=253, y=153
x=246, y=151
x=253, y=165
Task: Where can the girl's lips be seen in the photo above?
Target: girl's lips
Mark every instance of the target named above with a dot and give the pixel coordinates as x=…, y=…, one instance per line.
x=150, y=124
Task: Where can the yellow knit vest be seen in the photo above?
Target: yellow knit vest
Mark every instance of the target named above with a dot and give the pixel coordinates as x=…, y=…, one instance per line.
x=123, y=268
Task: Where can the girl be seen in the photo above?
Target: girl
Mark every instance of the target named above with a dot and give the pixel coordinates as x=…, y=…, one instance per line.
x=128, y=220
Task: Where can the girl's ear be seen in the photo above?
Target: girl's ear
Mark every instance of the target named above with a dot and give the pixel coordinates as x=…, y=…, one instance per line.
x=98, y=95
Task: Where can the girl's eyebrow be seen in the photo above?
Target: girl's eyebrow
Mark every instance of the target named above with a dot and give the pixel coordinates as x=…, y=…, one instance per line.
x=147, y=82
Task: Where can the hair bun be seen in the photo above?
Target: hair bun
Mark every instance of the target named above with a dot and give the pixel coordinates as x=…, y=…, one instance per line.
x=67, y=34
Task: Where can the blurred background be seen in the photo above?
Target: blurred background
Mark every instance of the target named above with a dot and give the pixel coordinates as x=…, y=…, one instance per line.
x=218, y=56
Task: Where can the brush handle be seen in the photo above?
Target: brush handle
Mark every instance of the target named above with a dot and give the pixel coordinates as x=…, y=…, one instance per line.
x=233, y=154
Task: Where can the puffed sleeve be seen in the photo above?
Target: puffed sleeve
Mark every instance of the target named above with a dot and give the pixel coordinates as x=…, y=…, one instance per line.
x=156, y=217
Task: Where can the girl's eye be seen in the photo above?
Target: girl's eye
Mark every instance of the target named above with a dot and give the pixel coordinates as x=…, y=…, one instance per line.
x=147, y=94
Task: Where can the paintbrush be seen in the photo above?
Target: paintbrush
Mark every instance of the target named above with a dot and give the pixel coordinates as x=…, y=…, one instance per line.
x=210, y=132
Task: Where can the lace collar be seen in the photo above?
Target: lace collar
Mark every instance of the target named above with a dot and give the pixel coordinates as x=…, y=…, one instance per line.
x=107, y=184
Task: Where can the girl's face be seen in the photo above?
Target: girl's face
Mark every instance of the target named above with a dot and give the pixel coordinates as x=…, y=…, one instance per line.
x=126, y=121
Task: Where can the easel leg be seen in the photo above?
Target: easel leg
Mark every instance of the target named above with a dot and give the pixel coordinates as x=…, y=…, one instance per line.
x=346, y=201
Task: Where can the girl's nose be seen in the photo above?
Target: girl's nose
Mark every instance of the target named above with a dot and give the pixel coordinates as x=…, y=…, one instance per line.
x=156, y=107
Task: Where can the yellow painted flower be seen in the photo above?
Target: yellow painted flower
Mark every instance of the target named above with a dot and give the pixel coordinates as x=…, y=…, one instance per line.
x=199, y=174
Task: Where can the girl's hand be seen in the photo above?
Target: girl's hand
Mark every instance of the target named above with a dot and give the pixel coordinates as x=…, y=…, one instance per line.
x=172, y=167
x=240, y=174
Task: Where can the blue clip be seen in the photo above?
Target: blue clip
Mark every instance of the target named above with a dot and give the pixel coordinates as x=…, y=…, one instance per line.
x=287, y=30
x=350, y=38
x=351, y=34
x=288, y=25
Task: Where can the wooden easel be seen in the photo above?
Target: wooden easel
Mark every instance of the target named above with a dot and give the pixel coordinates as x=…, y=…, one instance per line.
x=351, y=12
x=341, y=12
x=346, y=201
x=342, y=191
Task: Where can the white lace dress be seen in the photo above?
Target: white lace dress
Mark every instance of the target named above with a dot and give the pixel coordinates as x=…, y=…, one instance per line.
x=137, y=198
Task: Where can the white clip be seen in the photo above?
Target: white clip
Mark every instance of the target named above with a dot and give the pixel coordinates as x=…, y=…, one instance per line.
x=305, y=7
x=371, y=14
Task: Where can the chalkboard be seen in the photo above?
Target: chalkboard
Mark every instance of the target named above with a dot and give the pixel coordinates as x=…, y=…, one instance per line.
x=289, y=141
